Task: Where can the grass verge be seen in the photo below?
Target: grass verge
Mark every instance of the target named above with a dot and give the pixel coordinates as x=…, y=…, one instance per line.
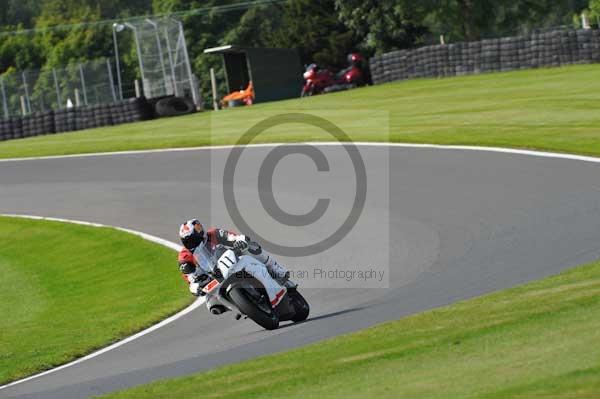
x=68, y=289
x=538, y=340
x=545, y=109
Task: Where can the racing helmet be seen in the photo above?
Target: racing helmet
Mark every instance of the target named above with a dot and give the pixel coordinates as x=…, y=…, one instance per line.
x=191, y=234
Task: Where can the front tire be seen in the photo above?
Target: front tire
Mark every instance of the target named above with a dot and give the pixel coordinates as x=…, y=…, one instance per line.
x=242, y=299
x=301, y=307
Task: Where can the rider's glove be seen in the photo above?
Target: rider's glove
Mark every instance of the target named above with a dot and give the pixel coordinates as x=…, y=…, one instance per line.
x=187, y=267
x=199, y=282
x=195, y=289
x=240, y=247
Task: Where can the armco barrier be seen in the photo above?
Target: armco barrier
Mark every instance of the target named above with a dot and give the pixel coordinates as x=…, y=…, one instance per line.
x=66, y=120
x=548, y=49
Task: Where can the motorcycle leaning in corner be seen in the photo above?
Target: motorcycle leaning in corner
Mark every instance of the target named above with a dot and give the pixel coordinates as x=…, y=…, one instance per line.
x=242, y=284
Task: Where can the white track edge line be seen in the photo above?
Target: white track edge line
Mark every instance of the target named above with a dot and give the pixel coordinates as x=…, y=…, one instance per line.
x=265, y=145
x=145, y=236
x=544, y=154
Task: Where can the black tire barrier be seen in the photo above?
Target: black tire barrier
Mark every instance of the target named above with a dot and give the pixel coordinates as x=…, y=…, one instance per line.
x=547, y=49
x=16, y=124
x=5, y=131
x=77, y=118
x=174, y=106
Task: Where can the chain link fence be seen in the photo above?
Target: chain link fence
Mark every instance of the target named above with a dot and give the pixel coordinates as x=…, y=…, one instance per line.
x=27, y=92
x=163, y=58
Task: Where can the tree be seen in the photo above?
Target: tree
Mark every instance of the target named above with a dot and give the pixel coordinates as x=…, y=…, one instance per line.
x=594, y=11
x=465, y=20
x=18, y=13
x=384, y=25
x=315, y=30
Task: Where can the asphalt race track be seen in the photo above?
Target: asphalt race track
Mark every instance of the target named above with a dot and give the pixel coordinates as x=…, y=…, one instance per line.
x=450, y=224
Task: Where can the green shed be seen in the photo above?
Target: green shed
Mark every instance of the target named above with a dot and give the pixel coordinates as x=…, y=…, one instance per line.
x=276, y=73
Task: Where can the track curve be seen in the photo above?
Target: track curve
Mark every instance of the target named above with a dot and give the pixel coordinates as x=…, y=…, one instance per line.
x=461, y=223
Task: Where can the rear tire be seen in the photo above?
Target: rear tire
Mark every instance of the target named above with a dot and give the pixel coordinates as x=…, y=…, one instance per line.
x=240, y=297
x=301, y=307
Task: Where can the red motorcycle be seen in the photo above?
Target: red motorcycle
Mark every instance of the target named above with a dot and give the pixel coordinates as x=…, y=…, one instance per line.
x=317, y=81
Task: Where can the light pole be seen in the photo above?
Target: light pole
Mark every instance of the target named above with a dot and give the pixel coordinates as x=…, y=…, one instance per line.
x=118, y=28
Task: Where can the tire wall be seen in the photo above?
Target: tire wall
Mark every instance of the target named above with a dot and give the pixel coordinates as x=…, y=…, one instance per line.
x=78, y=118
x=547, y=49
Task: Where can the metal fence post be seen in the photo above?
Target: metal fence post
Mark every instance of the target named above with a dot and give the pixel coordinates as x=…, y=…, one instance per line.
x=169, y=50
x=187, y=63
x=85, y=100
x=23, y=106
x=58, y=98
x=5, y=105
x=117, y=63
x=196, y=92
x=138, y=91
x=213, y=83
x=27, y=100
x=110, y=77
x=139, y=51
x=160, y=54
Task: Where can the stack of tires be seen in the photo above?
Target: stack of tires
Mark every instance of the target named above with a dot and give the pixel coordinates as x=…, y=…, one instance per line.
x=553, y=49
x=545, y=54
x=65, y=120
x=376, y=66
x=547, y=49
x=84, y=118
x=131, y=110
x=474, y=59
x=6, y=129
x=595, y=46
x=585, y=39
x=80, y=118
x=565, y=45
x=508, y=52
x=102, y=115
x=454, y=59
x=137, y=109
x=38, y=123
x=525, y=53
x=419, y=57
x=490, y=55
x=441, y=61
x=16, y=125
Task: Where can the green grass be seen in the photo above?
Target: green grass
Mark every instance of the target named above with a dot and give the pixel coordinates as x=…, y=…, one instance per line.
x=68, y=289
x=539, y=340
x=546, y=109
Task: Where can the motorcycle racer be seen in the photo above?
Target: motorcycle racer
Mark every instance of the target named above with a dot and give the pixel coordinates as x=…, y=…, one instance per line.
x=192, y=234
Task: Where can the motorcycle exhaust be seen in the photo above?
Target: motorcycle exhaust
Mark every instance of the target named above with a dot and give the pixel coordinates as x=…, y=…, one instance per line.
x=218, y=309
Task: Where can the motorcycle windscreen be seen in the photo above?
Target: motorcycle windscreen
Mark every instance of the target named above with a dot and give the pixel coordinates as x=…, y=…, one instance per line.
x=205, y=260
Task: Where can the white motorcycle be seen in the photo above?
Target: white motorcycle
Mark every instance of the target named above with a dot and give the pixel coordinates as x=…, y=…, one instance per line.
x=243, y=284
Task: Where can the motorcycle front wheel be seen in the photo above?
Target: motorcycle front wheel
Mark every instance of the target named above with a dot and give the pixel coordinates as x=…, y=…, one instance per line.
x=256, y=308
x=301, y=307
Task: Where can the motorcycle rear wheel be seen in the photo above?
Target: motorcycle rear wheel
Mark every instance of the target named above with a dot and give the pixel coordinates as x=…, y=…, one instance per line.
x=247, y=305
